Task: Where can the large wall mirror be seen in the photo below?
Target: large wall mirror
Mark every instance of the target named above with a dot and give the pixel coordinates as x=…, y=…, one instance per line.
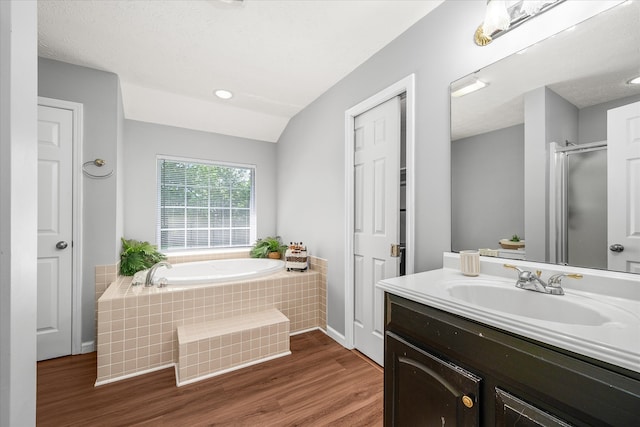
x=549, y=149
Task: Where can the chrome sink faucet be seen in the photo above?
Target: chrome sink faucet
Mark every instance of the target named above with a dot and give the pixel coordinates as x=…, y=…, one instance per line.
x=532, y=282
x=149, y=279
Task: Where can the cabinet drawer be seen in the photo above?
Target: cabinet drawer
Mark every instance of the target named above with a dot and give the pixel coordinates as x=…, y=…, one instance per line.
x=511, y=411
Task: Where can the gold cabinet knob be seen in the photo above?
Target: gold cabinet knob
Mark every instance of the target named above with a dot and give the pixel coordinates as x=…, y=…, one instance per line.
x=467, y=401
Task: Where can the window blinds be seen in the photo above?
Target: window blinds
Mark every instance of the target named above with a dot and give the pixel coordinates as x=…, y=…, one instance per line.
x=203, y=205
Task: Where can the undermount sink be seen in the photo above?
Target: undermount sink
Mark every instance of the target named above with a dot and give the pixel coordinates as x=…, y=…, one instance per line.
x=506, y=298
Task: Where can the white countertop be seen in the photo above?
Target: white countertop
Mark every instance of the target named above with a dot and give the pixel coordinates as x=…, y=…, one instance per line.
x=616, y=341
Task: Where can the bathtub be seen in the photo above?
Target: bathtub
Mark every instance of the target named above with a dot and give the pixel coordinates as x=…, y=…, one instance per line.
x=150, y=329
x=216, y=271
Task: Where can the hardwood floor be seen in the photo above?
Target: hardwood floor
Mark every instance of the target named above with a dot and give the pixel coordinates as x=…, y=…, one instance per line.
x=320, y=384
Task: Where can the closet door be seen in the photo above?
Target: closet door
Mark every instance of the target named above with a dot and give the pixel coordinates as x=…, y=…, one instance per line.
x=55, y=229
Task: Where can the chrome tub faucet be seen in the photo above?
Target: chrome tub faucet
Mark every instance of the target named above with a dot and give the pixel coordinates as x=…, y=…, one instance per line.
x=149, y=279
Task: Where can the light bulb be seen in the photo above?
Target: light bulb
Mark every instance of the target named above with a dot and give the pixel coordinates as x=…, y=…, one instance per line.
x=496, y=17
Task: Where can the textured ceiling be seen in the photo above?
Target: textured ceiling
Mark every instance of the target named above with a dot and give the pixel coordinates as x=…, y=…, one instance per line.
x=275, y=56
x=587, y=65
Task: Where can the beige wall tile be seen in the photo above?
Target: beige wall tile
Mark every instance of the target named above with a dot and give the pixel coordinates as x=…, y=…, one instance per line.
x=300, y=296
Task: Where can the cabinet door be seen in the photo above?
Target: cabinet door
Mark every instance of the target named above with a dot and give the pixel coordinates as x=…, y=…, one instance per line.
x=423, y=390
x=511, y=411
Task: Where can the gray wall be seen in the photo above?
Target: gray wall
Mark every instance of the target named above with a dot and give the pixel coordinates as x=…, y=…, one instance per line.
x=98, y=91
x=593, y=120
x=438, y=49
x=561, y=119
x=144, y=141
x=487, y=188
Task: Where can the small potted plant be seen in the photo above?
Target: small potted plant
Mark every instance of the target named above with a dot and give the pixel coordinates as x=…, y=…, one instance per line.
x=268, y=247
x=136, y=256
x=514, y=243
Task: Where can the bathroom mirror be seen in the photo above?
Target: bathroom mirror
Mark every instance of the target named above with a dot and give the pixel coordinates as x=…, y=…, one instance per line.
x=529, y=150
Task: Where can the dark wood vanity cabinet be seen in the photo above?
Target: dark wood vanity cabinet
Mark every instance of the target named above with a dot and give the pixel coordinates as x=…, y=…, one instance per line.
x=445, y=370
x=427, y=391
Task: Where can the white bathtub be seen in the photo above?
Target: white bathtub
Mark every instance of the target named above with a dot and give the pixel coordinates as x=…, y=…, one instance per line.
x=223, y=270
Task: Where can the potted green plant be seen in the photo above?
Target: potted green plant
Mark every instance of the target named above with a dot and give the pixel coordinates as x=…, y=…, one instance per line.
x=268, y=247
x=136, y=256
x=514, y=243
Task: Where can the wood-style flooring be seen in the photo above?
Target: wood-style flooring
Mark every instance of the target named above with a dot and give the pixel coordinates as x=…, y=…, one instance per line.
x=320, y=384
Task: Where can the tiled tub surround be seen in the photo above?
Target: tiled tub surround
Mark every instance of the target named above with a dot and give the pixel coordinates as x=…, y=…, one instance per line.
x=137, y=325
x=320, y=265
x=107, y=274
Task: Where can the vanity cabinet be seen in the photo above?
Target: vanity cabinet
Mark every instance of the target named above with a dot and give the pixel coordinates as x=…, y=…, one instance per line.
x=425, y=390
x=442, y=369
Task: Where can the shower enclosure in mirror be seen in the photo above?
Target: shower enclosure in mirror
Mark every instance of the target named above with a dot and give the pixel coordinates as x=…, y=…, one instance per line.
x=537, y=152
x=577, y=214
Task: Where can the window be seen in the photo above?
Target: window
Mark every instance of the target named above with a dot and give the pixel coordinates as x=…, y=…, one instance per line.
x=204, y=205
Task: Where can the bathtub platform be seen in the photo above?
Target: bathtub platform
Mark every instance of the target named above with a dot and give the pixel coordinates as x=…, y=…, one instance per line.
x=137, y=325
x=212, y=348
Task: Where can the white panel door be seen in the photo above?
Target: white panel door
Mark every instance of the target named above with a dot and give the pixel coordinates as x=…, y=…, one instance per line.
x=623, y=187
x=376, y=221
x=55, y=149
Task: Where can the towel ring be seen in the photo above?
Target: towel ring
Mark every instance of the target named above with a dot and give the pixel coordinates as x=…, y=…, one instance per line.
x=99, y=163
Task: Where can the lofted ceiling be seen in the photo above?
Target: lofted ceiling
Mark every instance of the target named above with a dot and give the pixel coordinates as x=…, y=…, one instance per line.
x=275, y=56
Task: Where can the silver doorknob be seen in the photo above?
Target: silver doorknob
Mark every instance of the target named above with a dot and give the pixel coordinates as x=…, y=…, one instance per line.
x=617, y=247
x=61, y=244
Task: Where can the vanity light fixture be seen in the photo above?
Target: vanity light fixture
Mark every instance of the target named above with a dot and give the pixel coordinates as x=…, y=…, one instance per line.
x=496, y=17
x=467, y=88
x=502, y=16
x=634, y=81
x=223, y=94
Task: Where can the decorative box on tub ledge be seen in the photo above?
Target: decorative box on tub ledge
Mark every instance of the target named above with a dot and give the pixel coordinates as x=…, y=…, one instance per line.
x=296, y=257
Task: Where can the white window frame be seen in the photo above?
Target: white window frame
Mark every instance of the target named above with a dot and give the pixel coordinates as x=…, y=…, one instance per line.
x=252, y=210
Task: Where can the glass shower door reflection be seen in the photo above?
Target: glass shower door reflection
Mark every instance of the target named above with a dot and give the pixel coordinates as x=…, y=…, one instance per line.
x=586, y=222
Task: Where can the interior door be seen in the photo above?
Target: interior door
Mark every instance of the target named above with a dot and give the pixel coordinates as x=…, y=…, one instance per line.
x=623, y=166
x=376, y=220
x=55, y=149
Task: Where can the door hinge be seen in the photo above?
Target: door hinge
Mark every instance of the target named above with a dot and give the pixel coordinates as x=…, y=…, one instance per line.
x=395, y=250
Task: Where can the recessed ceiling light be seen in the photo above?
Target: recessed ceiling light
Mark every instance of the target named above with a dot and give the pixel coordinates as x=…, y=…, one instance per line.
x=223, y=94
x=634, y=81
